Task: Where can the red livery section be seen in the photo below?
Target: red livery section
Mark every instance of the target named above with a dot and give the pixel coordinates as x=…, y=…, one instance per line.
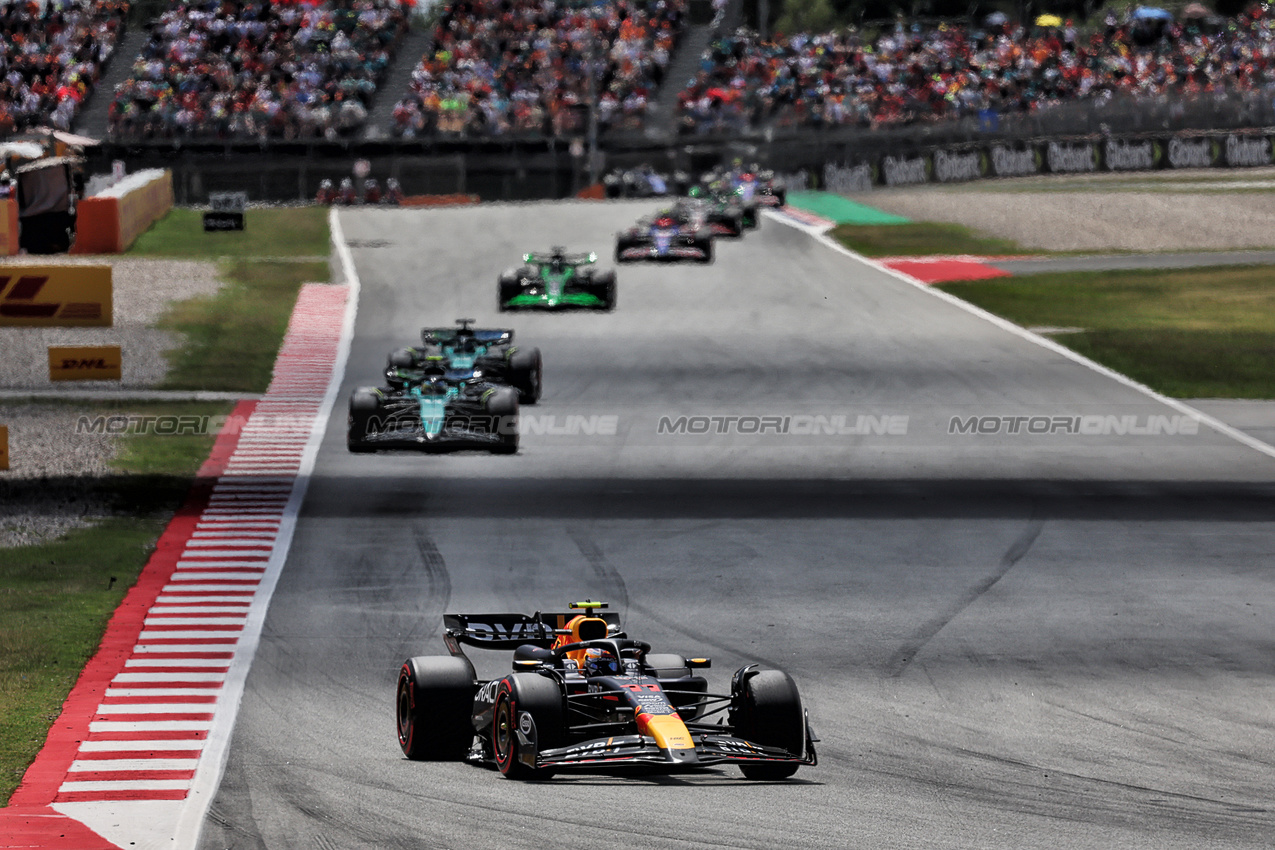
x=135, y=725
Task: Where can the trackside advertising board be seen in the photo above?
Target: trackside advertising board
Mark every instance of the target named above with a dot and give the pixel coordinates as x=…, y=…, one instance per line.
x=55, y=296
x=85, y=363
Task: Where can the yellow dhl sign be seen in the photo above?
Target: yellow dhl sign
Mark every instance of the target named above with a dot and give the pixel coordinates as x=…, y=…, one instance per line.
x=85, y=363
x=55, y=296
x=4, y=447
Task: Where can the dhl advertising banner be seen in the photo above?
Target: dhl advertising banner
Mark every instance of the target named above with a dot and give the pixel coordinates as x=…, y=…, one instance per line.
x=85, y=363
x=109, y=222
x=8, y=227
x=55, y=296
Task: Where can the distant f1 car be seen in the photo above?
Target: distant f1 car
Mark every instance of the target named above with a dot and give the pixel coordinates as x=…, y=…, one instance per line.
x=670, y=235
x=486, y=354
x=433, y=410
x=643, y=182
x=557, y=281
x=584, y=697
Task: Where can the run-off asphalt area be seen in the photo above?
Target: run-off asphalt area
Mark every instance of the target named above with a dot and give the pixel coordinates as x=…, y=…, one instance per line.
x=1003, y=641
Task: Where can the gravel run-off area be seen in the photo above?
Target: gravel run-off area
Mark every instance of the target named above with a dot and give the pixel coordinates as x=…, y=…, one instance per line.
x=1099, y=213
x=47, y=490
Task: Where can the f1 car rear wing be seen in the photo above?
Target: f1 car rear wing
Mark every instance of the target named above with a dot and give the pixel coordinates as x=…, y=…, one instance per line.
x=570, y=259
x=482, y=336
x=510, y=631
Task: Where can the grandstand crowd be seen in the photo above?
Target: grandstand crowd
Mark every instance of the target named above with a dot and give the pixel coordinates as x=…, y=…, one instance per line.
x=523, y=66
x=311, y=69
x=913, y=74
x=226, y=68
x=51, y=57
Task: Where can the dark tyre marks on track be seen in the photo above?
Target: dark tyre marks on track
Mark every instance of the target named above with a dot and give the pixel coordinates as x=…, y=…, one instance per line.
x=898, y=663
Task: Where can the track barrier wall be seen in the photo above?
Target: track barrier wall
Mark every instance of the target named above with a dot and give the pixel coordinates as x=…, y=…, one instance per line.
x=108, y=223
x=836, y=162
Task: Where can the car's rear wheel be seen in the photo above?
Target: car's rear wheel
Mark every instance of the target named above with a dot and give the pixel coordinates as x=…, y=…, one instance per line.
x=604, y=289
x=364, y=404
x=502, y=407
x=530, y=703
x=508, y=289
x=402, y=358
x=768, y=711
x=527, y=374
x=434, y=705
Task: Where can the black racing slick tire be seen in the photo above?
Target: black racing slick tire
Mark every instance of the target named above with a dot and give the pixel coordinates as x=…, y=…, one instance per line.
x=707, y=245
x=502, y=407
x=434, y=704
x=526, y=702
x=526, y=372
x=402, y=359
x=508, y=287
x=768, y=711
x=604, y=288
x=364, y=403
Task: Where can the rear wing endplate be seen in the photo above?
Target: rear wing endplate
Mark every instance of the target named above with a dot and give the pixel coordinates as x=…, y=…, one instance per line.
x=510, y=631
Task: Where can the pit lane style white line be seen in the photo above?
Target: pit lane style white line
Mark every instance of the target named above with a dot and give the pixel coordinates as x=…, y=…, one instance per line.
x=820, y=234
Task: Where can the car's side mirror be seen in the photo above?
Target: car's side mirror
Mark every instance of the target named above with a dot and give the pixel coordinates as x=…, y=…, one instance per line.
x=699, y=662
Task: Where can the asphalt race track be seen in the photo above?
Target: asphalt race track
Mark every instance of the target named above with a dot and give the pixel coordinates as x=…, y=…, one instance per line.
x=1004, y=639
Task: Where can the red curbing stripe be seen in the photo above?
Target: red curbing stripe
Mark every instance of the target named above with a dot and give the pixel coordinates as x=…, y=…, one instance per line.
x=115, y=755
x=162, y=700
x=128, y=775
x=44, y=777
x=113, y=796
x=164, y=735
x=42, y=828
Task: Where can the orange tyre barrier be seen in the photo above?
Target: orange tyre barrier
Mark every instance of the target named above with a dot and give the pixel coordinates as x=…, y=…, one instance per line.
x=110, y=222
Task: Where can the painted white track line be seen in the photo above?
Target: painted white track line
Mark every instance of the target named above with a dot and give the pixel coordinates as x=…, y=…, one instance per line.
x=820, y=233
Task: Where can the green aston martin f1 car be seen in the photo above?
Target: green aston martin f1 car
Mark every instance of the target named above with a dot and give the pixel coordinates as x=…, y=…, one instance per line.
x=557, y=281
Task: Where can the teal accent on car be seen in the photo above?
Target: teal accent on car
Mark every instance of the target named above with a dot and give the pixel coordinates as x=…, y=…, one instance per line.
x=462, y=362
x=433, y=408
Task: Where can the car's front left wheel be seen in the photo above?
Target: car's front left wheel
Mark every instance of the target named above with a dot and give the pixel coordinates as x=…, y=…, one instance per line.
x=434, y=704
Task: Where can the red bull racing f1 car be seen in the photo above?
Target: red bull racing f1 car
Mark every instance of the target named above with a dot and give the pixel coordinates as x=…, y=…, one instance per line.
x=582, y=696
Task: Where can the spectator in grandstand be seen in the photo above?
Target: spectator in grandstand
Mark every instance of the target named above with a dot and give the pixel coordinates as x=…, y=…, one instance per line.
x=522, y=67
x=226, y=69
x=51, y=57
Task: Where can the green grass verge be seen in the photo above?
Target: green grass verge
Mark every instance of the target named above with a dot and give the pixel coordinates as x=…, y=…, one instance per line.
x=233, y=337
x=922, y=239
x=1190, y=333
x=275, y=232
x=56, y=597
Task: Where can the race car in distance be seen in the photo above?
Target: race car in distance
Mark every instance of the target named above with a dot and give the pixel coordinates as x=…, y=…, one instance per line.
x=753, y=185
x=672, y=234
x=433, y=410
x=557, y=281
x=582, y=696
x=484, y=353
x=722, y=214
